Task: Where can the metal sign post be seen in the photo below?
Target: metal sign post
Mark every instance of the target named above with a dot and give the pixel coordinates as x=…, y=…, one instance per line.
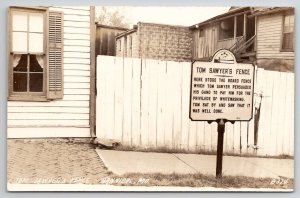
x=221, y=91
x=221, y=130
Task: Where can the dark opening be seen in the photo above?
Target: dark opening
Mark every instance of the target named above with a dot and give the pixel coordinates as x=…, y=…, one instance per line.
x=240, y=25
x=226, y=28
x=250, y=32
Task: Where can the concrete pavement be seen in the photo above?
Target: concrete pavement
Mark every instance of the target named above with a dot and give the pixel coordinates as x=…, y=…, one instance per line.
x=122, y=162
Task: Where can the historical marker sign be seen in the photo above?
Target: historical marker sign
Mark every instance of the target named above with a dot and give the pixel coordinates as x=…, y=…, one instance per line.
x=221, y=89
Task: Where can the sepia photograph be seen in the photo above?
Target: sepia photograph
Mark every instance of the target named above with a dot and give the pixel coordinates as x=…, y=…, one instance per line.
x=150, y=98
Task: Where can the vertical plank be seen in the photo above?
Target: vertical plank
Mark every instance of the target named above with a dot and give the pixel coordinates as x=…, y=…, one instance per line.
x=176, y=99
x=153, y=89
x=100, y=98
x=127, y=101
x=229, y=137
x=207, y=131
x=145, y=103
x=214, y=136
x=169, y=105
x=258, y=92
x=109, y=102
x=276, y=117
x=244, y=132
x=118, y=99
x=193, y=135
x=264, y=131
x=200, y=137
x=185, y=95
x=236, y=137
x=161, y=102
x=280, y=130
x=289, y=131
x=135, y=102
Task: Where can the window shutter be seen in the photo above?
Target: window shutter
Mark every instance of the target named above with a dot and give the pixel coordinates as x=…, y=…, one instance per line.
x=55, y=56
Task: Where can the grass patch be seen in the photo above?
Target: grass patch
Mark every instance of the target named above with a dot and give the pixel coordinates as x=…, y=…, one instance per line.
x=199, y=151
x=198, y=180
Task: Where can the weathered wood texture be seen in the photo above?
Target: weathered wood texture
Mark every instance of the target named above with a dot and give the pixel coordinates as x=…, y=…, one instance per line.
x=143, y=102
x=105, y=40
x=206, y=45
x=269, y=37
x=73, y=110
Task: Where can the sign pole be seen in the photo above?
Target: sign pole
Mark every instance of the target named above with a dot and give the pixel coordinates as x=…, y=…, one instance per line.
x=221, y=130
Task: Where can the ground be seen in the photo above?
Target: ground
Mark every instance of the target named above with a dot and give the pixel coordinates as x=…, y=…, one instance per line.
x=70, y=161
x=53, y=161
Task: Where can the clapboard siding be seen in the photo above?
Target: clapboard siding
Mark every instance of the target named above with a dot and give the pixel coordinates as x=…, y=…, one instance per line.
x=269, y=35
x=48, y=131
x=143, y=102
x=73, y=110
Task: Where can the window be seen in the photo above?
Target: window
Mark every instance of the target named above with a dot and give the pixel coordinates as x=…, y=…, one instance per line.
x=226, y=28
x=288, y=32
x=35, y=66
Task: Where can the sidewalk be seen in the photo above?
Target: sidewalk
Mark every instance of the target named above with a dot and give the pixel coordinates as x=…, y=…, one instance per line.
x=123, y=162
x=53, y=161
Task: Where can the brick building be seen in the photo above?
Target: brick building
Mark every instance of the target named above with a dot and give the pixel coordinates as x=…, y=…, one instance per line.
x=156, y=41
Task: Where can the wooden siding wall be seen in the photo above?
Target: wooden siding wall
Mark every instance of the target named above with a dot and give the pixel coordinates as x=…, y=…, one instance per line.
x=207, y=45
x=269, y=35
x=143, y=102
x=68, y=117
x=105, y=40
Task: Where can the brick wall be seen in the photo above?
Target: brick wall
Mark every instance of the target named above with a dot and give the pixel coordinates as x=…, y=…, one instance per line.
x=155, y=41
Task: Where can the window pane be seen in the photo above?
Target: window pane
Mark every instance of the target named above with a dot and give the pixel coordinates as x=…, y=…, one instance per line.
x=20, y=62
x=36, y=43
x=288, y=39
x=19, y=21
x=35, y=82
x=36, y=63
x=36, y=22
x=19, y=42
x=20, y=82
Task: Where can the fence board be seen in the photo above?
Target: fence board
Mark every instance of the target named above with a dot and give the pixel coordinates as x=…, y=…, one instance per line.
x=176, y=89
x=127, y=94
x=153, y=89
x=185, y=91
x=200, y=135
x=145, y=104
x=280, y=130
x=265, y=115
x=169, y=105
x=290, y=115
x=118, y=99
x=236, y=137
x=161, y=101
x=275, y=119
x=136, y=99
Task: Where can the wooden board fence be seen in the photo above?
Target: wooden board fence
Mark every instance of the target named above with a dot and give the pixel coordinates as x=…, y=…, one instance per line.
x=145, y=103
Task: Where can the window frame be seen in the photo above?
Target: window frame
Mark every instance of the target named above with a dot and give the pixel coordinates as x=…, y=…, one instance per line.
x=282, y=33
x=27, y=96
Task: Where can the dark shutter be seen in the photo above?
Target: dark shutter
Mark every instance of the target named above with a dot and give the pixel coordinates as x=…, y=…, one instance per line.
x=55, y=57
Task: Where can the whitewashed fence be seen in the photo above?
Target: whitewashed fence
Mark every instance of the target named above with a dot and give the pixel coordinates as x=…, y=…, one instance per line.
x=142, y=102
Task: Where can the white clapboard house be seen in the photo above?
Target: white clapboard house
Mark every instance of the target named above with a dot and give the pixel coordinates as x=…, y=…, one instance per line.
x=50, y=75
